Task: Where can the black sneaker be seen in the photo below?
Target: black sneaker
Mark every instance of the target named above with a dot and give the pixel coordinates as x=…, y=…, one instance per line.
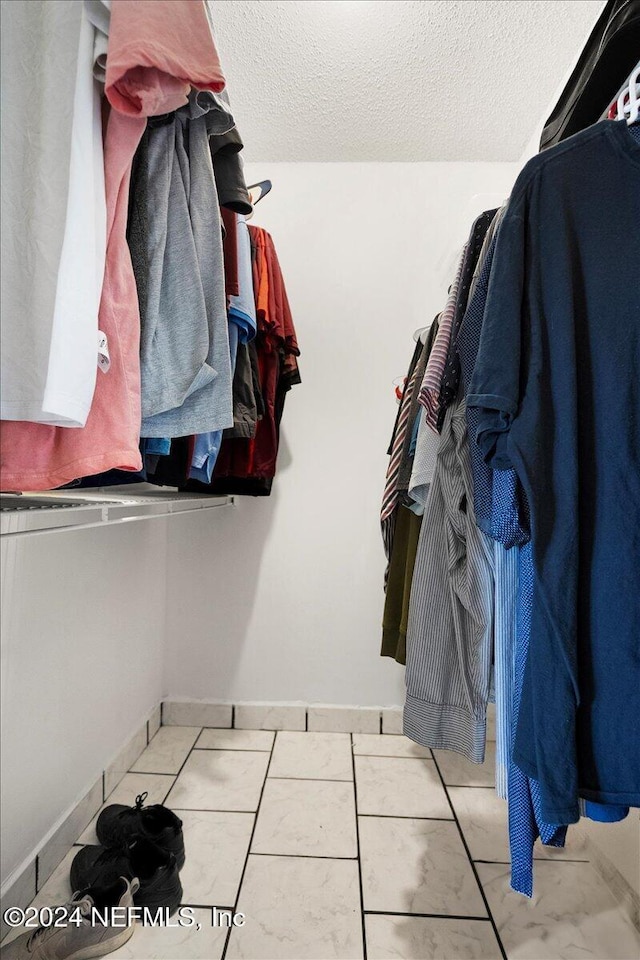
x=118, y=825
x=156, y=869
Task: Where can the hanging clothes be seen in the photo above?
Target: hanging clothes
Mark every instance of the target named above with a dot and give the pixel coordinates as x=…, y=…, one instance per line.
x=450, y=628
x=401, y=516
x=242, y=329
x=560, y=300
x=185, y=361
x=401, y=430
x=156, y=53
x=247, y=466
x=450, y=379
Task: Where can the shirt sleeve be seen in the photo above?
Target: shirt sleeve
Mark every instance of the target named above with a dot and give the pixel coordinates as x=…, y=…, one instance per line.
x=495, y=384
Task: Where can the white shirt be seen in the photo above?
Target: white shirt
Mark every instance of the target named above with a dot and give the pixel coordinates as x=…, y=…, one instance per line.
x=54, y=214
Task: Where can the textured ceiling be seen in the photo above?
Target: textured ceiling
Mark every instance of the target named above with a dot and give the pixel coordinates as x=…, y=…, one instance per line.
x=395, y=79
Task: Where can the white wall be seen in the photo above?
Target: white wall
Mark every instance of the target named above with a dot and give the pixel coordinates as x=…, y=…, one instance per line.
x=82, y=643
x=281, y=599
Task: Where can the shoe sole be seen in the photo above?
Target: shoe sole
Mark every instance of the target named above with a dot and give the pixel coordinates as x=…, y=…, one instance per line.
x=102, y=949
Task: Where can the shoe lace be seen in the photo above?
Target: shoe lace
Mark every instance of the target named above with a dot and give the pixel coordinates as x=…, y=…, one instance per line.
x=116, y=852
x=140, y=799
x=42, y=934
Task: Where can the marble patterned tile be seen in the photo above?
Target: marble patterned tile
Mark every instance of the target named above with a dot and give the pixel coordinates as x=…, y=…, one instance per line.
x=216, y=846
x=387, y=745
x=307, y=818
x=312, y=756
x=298, y=909
x=400, y=787
x=344, y=719
x=484, y=821
x=416, y=866
x=156, y=785
x=235, y=740
x=572, y=915
x=68, y=832
x=268, y=716
x=457, y=771
x=153, y=723
x=19, y=894
x=422, y=938
x=220, y=780
x=392, y=720
x=167, y=751
x=169, y=943
x=125, y=760
x=180, y=713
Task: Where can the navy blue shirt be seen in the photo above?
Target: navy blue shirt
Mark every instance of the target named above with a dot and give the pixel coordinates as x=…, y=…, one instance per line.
x=557, y=384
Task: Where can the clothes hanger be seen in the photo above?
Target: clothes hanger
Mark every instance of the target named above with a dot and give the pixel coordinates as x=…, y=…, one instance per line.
x=634, y=96
x=256, y=192
x=627, y=105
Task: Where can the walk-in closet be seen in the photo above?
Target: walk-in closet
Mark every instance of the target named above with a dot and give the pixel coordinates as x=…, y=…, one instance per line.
x=320, y=479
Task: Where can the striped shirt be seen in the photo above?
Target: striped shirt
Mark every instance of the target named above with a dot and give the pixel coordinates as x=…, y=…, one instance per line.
x=400, y=438
x=430, y=388
x=450, y=629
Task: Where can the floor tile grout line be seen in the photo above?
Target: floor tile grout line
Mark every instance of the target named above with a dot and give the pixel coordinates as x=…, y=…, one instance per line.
x=314, y=779
x=205, y=906
x=183, y=809
x=400, y=816
x=472, y=864
x=246, y=859
x=359, y=860
x=301, y=856
x=393, y=756
x=233, y=749
x=166, y=796
x=471, y=786
x=145, y=773
x=507, y=863
x=428, y=916
x=390, y=756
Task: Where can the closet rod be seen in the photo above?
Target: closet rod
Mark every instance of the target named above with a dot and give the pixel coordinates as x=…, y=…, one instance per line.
x=106, y=522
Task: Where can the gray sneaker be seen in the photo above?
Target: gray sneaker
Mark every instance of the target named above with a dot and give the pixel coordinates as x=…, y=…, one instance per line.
x=79, y=941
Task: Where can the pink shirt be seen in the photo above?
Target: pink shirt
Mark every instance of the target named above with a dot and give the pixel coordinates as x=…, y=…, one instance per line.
x=156, y=52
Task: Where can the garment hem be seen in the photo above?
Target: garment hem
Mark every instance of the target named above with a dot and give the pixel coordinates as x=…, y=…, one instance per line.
x=74, y=418
x=610, y=797
x=84, y=467
x=184, y=429
x=445, y=727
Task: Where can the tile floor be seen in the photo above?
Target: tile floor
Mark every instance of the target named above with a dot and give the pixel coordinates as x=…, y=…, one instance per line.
x=337, y=846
